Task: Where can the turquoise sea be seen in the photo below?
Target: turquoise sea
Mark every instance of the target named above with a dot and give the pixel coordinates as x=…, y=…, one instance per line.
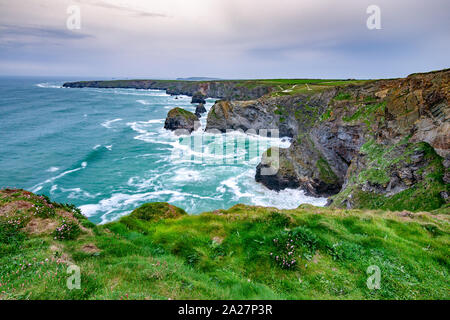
x=106, y=151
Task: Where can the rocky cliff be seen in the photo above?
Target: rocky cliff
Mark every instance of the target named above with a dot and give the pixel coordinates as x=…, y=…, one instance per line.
x=225, y=89
x=377, y=144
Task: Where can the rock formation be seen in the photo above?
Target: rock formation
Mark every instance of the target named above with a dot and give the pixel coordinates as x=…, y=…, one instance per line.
x=200, y=109
x=230, y=89
x=198, y=97
x=374, y=145
x=181, y=121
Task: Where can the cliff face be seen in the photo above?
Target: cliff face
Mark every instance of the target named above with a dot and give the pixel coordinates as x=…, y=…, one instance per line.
x=405, y=156
x=289, y=114
x=387, y=140
x=228, y=90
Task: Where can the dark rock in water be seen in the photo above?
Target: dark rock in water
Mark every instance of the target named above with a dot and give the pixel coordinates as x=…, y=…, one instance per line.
x=200, y=109
x=198, y=97
x=311, y=172
x=269, y=173
x=181, y=121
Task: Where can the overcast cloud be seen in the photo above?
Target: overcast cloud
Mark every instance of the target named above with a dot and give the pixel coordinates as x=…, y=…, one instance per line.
x=223, y=38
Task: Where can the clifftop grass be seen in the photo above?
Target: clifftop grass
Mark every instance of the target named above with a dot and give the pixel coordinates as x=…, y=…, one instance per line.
x=181, y=112
x=159, y=252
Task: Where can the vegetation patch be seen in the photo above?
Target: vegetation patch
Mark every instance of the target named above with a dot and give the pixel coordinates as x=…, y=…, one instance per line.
x=326, y=115
x=343, y=96
x=367, y=113
x=382, y=164
x=180, y=111
x=326, y=173
x=155, y=254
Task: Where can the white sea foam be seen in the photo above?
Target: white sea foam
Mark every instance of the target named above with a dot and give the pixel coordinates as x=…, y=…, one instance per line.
x=39, y=186
x=52, y=169
x=284, y=199
x=187, y=175
x=241, y=186
x=119, y=203
x=143, y=126
x=48, y=85
x=208, y=147
x=107, y=124
x=140, y=92
x=232, y=185
x=76, y=193
x=144, y=102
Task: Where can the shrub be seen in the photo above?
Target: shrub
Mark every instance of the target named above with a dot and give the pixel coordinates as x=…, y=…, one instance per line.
x=278, y=219
x=44, y=210
x=67, y=230
x=284, y=254
x=289, y=246
x=10, y=230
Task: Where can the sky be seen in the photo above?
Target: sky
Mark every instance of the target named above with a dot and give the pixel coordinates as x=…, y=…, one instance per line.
x=229, y=39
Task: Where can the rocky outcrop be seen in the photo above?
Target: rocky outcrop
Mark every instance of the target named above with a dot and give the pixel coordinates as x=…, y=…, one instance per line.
x=405, y=120
x=394, y=177
x=198, y=97
x=300, y=166
x=200, y=109
x=181, y=121
x=288, y=114
x=228, y=90
x=403, y=162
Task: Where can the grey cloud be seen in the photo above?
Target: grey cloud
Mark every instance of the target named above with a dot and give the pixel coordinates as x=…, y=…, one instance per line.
x=124, y=8
x=228, y=38
x=41, y=32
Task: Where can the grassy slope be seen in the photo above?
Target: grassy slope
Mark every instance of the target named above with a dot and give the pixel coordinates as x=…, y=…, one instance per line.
x=159, y=252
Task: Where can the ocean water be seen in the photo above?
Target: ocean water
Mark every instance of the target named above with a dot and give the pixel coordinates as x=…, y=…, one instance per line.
x=106, y=151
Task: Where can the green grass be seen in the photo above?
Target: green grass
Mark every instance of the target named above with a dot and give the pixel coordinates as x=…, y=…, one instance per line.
x=343, y=96
x=182, y=112
x=159, y=252
x=326, y=173
x=367, y=113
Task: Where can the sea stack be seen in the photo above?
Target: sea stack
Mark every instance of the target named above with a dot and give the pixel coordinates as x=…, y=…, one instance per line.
x=198, y=97
x=181, y=121
x=200, y=109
